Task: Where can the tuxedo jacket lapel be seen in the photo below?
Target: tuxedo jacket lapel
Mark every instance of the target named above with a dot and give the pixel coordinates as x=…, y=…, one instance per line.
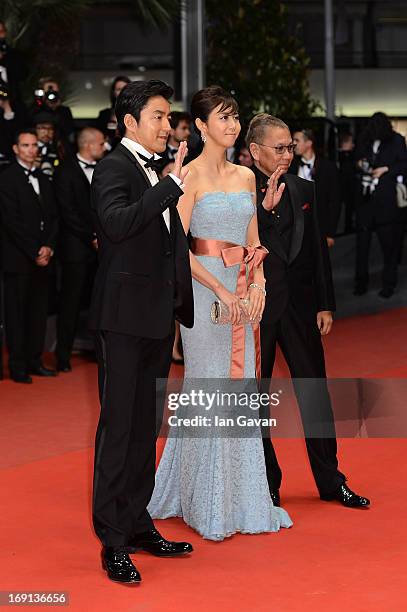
x=298, y=229
x=81, y=175
x=135, y=163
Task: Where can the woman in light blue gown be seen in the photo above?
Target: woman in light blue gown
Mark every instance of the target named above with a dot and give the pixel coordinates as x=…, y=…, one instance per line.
x=218, y=484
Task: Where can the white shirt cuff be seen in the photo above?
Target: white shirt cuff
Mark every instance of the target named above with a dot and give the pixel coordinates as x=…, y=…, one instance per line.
x=8, y=116
x=176, y=179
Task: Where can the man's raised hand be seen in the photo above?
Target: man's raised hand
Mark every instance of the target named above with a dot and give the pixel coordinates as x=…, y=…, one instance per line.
x=274, y=193
x=182, y=152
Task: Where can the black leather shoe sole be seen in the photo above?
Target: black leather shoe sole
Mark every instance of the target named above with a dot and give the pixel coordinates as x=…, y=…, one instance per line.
x=355, y=504
x=114, y=578
x=133, y=549
x=43, y=373
x=25, y=380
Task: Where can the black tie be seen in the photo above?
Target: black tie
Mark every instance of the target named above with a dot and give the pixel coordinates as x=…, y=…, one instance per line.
x=85, y=165
x=304, y=163
x=154, y=164
x=33, y=173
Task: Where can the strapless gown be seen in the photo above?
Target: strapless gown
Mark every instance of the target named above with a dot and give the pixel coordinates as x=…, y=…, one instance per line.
x=218, y=485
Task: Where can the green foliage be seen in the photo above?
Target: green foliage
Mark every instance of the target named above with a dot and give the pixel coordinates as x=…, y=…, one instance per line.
x=47, y=31
x=250, y=53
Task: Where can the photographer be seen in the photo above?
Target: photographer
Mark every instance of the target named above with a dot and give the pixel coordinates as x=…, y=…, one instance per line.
x=381, y=157
x=106, y=121
x=12, y=68
x=50, y=149
x=48, y=98
x=7, y=126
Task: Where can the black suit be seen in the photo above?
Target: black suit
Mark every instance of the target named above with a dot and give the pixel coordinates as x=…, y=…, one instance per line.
x=299, y=284
x=28, y=223
x=379, y=212
x=76, y=252
x=143, y=279
x=328, y=192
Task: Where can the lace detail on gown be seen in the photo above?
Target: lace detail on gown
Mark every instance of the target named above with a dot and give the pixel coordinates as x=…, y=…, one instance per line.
x=218, y=485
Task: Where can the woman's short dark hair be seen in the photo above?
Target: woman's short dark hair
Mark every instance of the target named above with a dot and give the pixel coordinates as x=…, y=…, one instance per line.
x=119, y=79
x=379, y=127
x=135, y=96
x=207, y=99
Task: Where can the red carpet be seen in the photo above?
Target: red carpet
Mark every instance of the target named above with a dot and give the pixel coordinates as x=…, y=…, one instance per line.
x=332, y=558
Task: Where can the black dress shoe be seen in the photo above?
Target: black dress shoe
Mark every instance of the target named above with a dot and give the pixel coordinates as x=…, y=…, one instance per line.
x=275, y=496
x=386, y=292
x=359, y=290
x=42, y=371
x=21, y=378
x=347, y=498
x=119, y=566
x=153, y=542
x=64, y=366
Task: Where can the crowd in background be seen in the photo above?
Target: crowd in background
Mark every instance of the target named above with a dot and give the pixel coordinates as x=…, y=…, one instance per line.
x=48, y=244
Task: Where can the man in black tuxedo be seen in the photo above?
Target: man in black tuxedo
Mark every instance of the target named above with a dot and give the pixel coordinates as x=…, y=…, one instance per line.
x=142, y=283
x=77, y=244
x=311, y=166
x=29, y=232
x=299, y=302
x=381, y=158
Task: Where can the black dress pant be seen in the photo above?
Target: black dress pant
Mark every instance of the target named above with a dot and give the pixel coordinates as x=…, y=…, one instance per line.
x=124, y=470
x=390, y=238
x=26, y=310
x=301, y=345
x=73, y=282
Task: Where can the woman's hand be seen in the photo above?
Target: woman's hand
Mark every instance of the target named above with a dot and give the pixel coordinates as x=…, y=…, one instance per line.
x=232, y=301
x=378, y=172
x=257, y=302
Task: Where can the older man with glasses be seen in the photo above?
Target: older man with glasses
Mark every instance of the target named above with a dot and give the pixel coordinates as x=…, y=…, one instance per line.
x=299, y=303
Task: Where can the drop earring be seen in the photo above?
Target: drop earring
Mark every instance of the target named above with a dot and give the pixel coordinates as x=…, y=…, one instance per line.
x=203, y=137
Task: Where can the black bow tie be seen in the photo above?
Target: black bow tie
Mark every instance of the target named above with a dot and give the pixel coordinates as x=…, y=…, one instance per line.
x=33, y=173
x=86, y=165
x=154, y=164
x=304, y=163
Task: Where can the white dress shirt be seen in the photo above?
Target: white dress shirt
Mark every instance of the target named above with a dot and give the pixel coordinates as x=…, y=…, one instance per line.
x=31, y=179
x=136, y=148
x=305, y=172
x=88, y=172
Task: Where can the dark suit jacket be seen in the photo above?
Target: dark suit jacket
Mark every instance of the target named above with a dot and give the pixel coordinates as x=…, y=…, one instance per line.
x=144, y=272
x=22, y=215
x=328, y=192
x=302, y=278
x=72, y=191
x=383, y=204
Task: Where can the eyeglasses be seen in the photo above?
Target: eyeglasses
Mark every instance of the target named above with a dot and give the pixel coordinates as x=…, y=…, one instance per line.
x=280, y=149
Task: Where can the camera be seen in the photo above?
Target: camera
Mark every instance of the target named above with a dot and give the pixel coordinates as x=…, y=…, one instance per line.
x=42, y=96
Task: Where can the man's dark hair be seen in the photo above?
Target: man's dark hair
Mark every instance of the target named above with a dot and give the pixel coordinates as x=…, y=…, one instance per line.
x=309, y=135
x=24, y=131
x=135, y=96
x=178, y=116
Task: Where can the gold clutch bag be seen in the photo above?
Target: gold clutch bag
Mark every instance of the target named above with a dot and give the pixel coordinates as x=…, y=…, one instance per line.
x=220, y=314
